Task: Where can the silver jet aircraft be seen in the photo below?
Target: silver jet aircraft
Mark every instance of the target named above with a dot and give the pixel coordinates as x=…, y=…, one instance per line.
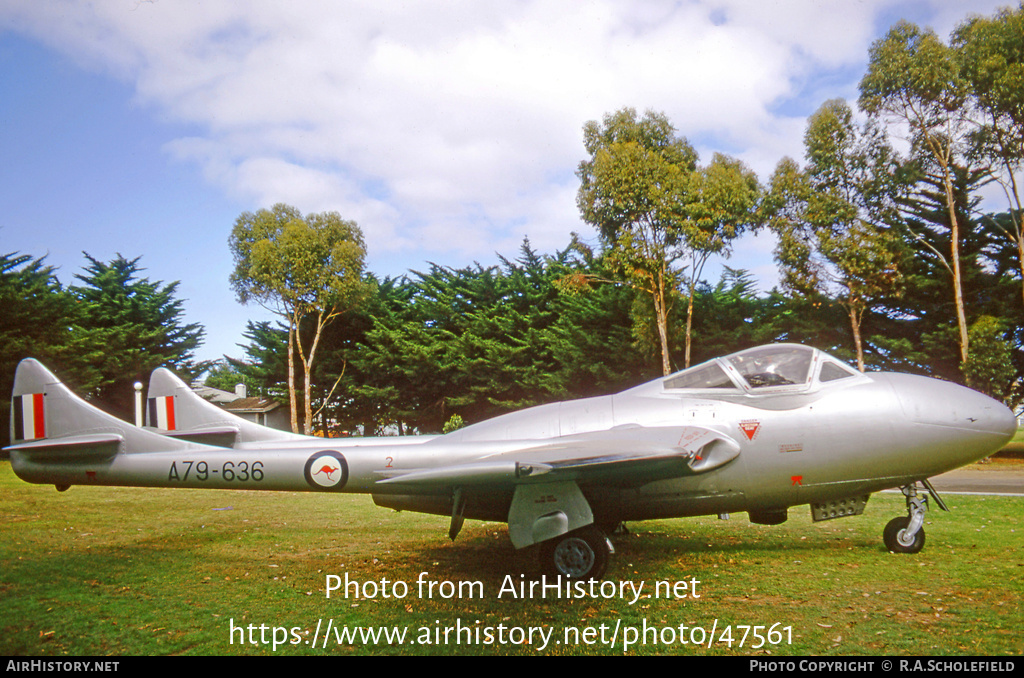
x=758, y=431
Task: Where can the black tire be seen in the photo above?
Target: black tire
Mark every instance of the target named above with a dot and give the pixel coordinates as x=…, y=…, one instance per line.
x=581, y=554
x=891, y=537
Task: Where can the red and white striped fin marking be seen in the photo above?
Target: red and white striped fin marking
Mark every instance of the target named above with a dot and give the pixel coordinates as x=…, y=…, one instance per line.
x=161, y=412
x=29, y=417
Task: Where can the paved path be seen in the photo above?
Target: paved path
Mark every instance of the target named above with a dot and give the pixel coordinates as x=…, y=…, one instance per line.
x=982, y=479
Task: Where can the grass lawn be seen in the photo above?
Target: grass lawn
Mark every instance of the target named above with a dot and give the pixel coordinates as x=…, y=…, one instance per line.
x=1015, y=448
x=121, y=571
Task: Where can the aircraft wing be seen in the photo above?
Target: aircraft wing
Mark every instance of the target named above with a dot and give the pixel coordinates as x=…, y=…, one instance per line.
x=621, y=456
x=547, y=476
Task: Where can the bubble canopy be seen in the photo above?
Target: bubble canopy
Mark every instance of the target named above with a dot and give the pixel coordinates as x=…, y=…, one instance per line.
x=764, y=367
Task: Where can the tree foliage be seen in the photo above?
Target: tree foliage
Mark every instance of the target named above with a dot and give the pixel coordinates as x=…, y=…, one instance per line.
x=837, y=219
x=127, y=326
x=991, y=54
x=480, y=341
x=657, y=211
x=36, y=320
x=303, y=268
x=914, y=78
x=990, y=368
x=632, y=190
x=102, y=335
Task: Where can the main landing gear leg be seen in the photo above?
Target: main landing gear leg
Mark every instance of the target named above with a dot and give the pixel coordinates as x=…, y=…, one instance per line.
x=906, y=535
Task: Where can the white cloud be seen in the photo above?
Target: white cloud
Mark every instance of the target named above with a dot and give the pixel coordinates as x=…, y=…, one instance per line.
x=454, y=127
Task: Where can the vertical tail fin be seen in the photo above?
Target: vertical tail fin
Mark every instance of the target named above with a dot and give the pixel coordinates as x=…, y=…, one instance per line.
x=56, y=437
x=28, y=417
x=46, y=414
x=37, y=410
x=176, y=410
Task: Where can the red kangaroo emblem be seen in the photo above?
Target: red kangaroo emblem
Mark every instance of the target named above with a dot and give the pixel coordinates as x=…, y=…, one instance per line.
x=328, y=470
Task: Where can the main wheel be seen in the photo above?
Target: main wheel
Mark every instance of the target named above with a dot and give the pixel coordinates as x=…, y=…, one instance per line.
x=896, y=540
x=581, y=554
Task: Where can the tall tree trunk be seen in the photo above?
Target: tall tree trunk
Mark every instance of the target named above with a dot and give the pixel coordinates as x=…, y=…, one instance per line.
x=1018, y=236
x=958, y=293
x=689, y=325
x=661, y=317
x=855, y=319
x=307, y=364
x=291, y=376
x=1020, y=258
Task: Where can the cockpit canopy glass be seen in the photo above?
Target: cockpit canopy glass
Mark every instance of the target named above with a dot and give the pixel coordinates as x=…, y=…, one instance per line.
x=789, y=367
x=831, y=371
x=708, y=375
x=769, y=366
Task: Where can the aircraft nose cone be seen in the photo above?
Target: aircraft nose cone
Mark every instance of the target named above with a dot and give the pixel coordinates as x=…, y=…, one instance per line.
x=957, y=423
x=1005, y=422
x=980, y=413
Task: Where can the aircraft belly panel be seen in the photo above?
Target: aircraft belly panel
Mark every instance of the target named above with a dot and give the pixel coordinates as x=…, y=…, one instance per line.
x=666, y=500
x=492, y=506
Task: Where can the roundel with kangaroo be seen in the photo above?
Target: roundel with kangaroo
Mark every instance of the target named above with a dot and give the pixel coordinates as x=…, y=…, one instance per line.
x=327, y=470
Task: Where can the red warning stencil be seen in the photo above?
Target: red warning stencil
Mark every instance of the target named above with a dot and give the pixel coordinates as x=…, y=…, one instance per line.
x=750, y=428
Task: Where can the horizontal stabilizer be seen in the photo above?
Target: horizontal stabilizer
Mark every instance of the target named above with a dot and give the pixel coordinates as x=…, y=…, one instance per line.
x=94, y=446
x=223, y=436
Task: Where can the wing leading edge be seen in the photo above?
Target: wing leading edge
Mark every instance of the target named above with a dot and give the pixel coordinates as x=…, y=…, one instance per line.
x=626, y=456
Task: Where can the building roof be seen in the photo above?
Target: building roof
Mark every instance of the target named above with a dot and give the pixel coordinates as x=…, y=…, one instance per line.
x=249, y=405
x=214, y=395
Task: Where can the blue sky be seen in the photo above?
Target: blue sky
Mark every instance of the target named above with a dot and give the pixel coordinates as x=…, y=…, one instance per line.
x=448, y=130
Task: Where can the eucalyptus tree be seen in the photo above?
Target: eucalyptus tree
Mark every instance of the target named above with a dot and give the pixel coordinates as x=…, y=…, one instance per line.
x=301, y=268
x=991, y=54
x=631, y=191
x=656, y=211
x=915, y=79
x=835, y=218
x=721, y=204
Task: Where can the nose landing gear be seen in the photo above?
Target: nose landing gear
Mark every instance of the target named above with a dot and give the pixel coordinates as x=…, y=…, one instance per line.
x=906, y=535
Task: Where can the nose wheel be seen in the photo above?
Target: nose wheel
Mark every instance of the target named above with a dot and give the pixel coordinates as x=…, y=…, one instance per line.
x=899, y=537
x=906, y=535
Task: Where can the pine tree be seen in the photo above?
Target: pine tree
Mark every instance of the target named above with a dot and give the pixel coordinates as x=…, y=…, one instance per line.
x=128, y=326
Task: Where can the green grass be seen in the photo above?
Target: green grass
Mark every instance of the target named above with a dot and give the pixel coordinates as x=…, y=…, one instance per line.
x=1015, y=448
x=98, y=571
